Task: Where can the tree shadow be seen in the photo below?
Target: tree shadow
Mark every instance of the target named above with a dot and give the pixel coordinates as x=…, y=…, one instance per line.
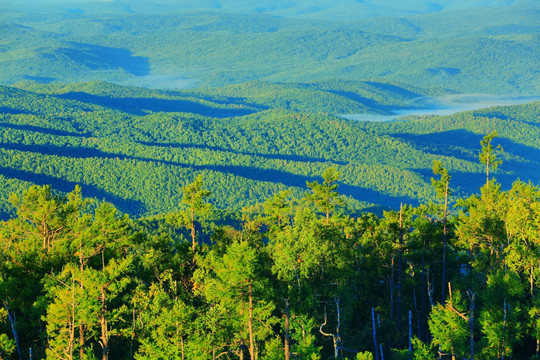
x=39, y=79
x=375, y=197
x=465, y=145
x=42, y=130
x=395, y=89
x=470, y=183
x=295, y=180
x=68, y=151
x=251, y=173
x=454, y=143
x=464, y=184
x=7, y=110
x=362, y=100
x=96, y=57
x=142, y=106
x=128, y=206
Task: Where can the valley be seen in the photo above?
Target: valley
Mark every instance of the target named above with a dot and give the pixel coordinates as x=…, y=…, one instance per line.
x=280, y=179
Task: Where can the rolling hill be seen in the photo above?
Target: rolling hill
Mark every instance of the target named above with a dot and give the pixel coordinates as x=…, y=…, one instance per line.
x=137, y=147
x=486, y=49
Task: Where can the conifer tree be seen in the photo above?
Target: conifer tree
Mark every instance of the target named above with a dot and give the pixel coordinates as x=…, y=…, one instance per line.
x=194, y=197
x=325, y=196
x=488, y=156
x=234, y=283
x=442, y=188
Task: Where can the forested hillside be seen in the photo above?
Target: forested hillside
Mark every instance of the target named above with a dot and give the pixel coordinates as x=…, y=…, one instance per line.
x=292, y=278
x=232, y=179
x=137, y=147
x=491, y=51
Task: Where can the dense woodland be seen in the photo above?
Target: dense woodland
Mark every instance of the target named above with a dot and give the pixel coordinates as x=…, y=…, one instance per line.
x=491, y=51
x=290, y=278
x=240, y=215
x=137, y=148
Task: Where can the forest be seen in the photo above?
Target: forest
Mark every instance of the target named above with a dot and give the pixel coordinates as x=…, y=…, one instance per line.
x=137, y=148
x=197, y=180
x=491, y=51
x=287, y=278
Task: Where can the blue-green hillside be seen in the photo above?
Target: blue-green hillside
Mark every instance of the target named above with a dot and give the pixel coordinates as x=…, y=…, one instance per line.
x=485, y=49
x=137, y=147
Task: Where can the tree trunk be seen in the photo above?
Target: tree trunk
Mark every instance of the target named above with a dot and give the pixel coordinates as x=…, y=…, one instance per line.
x=410, y=334
x=471, y=324
x=418, y=325
x=531, y=280
x=445, y=232
x=286, y=343
x=334, y=337
x=429, y=289
x=81, y=325
x=487, y=173
x=81, y=341
x=375, y=347
x=392, y=288
x=423, y=296
x=400, y=276
x=193, y=238
x=71, y=345
x=13, y=323
x=504, y=329
x=104, y=330
x=183, y=349
x=337, y=338
x=250, y=323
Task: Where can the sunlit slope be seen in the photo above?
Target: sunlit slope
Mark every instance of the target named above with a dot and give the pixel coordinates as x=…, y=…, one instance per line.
x=330, y=96
x=490, y=50
x=138, y=147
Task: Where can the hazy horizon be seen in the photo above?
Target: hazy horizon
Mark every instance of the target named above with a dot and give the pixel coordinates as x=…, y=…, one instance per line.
x=346, y=10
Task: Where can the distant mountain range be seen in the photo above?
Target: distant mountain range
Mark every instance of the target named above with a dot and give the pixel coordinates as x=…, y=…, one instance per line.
x=482, y=50
x=348, y=10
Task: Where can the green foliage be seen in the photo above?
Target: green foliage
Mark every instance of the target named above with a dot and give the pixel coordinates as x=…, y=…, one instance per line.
x=7, y=345
x=448, y=329
x=442, y=185
x=325, y=196
x=234, y=284
x=488, y=156
x=421, y=350
x=164, y=321
x=122, y=285
x=305, y=342
x=139, y=148
x=493, y=51
x=197, y=211
x=501, y=321
x=366, y=355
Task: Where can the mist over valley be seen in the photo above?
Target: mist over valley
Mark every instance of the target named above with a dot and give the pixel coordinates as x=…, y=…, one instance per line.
x=273, y=179
x=445, y=105
x=182, y=67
